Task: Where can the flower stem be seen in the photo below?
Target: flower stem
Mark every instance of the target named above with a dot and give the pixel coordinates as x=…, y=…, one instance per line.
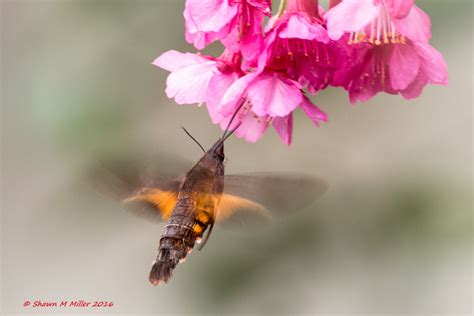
x=281, y=8
x=310, y=7
x=333, y=3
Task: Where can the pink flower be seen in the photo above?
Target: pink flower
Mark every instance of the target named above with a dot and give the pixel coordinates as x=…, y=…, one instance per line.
x=237, y=23
x=379, y=21
x=252, y=127
x=197, y=79
x=395, y=69
x=190, y=75
x=365, y=46
x=269, y=98
x=297, y=43
x=390, y=45
x=269, y=95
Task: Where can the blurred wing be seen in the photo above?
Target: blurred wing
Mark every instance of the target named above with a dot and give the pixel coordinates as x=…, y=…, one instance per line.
x=143, y=169
x=155, y=205
x=247, y=198
x=278, y=192
x=238, y=211
x=152, y=203
x=141, y=190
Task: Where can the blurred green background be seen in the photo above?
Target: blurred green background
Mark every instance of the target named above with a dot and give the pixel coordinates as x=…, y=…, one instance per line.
x=392, y=235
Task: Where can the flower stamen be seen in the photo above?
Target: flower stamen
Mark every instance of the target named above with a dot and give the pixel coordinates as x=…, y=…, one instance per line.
x=372, y=32
x=380, y=31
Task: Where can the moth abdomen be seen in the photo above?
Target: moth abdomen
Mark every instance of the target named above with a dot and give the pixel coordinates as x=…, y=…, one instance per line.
x=176, y=242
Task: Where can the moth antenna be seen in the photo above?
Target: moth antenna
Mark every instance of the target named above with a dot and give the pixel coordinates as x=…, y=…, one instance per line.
x=232, y=119
x=204, y=151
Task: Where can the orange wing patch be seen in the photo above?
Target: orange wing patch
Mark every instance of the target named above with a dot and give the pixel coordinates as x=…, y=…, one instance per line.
x=163, y=201
x=230, y=205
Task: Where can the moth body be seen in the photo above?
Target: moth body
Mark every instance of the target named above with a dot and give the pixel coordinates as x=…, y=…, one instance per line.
x=195, y=210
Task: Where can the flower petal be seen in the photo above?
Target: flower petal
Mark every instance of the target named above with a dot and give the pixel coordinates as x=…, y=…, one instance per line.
x=399, y=8
x=404, y=65
x=415, y=89
x=200, y=39
x=188, y=84
x=218, y=86
x=362, y=95
x=350, y=16
x=312, y=111
x=252, y=127
x=299, y=26
x=234, y=95
x=433, y=63
x=262, y=5
x=210, y=15
x=415, y=26
x=252, y=40
x=271, y=94
x=173, y=60
x=270, y=40
x=284, y=128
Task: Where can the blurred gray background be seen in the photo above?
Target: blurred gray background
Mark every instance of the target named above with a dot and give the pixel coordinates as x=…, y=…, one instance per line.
x=392, y=235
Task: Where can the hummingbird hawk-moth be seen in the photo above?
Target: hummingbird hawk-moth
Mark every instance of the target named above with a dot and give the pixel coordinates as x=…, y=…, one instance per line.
x=191, y=204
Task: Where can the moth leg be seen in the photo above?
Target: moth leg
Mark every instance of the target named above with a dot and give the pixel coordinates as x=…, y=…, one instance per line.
x=207, y=236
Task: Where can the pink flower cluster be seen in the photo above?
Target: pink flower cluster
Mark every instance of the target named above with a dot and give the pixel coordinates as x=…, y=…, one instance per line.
x=364, y=46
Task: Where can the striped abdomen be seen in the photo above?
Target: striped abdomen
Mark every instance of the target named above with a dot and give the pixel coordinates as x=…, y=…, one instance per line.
x=185, y=226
